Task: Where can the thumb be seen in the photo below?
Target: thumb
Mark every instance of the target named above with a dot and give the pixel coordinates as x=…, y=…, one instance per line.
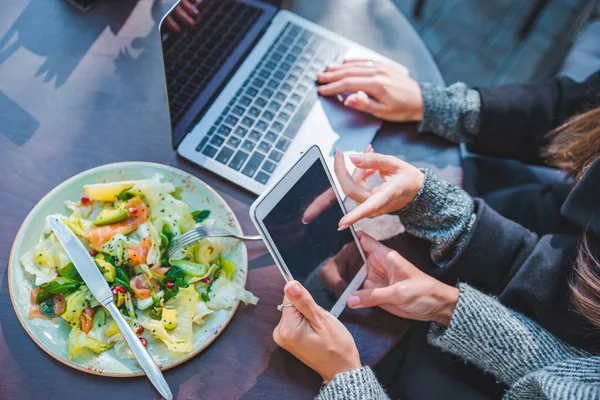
x=372, y=297
x=363, y=102
x=303, y=301
x=369, y=244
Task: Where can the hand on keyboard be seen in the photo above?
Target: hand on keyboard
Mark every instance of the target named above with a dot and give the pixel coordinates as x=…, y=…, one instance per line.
x=392, y=94
x=183, y=16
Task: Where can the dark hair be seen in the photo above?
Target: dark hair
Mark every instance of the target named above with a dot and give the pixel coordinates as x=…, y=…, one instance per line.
x=573, y=147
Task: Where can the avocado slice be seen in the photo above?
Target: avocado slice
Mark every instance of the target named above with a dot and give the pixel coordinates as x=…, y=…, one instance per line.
x=169, y=318
x=110, y=217
x=99, y=318
x=108, y=270
x=228, y=268
x=190, y=268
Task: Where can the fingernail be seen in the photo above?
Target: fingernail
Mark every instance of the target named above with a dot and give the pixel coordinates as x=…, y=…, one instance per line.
x=356, y=158
x=341, y=228
x=362, y=94
x=329, y=67
x=195, y=11
x=294, y=289
x=319, y=75
x=369, y=147
x=353, y=301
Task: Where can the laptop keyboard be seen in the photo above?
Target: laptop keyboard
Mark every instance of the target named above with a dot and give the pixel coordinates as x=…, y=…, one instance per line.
x=256, y=128
x=197, y=56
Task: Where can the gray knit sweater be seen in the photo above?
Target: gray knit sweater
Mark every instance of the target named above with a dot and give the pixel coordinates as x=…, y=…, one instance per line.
x=533, y=363
x=502, y=342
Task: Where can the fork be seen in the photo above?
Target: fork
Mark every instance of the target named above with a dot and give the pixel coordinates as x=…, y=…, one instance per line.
x=200, y=233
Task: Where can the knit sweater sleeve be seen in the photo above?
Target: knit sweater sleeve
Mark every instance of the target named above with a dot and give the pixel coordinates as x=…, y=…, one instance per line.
x=359, y=383
x=499, y=340
x=441, y=213
x=450, y=112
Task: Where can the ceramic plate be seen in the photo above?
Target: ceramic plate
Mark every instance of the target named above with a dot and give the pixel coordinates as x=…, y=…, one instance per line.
x=51, y=337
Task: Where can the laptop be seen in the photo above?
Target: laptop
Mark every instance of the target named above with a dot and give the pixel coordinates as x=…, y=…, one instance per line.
x=241, y=87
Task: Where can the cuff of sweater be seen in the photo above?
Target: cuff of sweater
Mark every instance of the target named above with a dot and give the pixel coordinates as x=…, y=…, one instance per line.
x=497, y=339
x=462, y=318
x=450, y=112
x=483, y=331
x=359, y=383
x=440, y=213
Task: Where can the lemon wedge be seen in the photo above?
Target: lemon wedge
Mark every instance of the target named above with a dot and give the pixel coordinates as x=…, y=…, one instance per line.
x=107, y=191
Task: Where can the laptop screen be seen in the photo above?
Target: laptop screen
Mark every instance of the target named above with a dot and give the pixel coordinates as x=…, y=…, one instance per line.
x=202, y=44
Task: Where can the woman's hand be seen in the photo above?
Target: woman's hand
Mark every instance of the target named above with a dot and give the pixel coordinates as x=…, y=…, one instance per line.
x=327, y=198
x=392, y=94
x=315, y=336
x=183, y=16
x=402, y=183
x=400, y=288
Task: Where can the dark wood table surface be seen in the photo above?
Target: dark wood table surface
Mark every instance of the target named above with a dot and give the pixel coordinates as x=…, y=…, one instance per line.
x=80, y=90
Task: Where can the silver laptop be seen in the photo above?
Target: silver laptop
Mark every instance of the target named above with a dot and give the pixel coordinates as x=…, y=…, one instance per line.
x=242, y=92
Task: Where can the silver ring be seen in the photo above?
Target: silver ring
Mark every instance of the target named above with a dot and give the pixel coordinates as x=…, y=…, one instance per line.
x=280, y=306
x=369, y=64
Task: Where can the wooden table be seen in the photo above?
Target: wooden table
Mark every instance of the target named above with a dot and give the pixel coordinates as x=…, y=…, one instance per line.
x=81, y=90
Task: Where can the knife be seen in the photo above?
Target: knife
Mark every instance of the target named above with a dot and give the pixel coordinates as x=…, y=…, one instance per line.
x=94, y=280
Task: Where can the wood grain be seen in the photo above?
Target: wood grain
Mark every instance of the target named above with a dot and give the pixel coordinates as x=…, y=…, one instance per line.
x=81, y=90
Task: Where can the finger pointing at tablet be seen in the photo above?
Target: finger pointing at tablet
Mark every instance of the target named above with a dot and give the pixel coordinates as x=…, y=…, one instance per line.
x=327, y=198
x=402, y=183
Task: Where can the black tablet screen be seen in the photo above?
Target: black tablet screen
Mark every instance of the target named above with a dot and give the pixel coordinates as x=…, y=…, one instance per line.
x=303, y=226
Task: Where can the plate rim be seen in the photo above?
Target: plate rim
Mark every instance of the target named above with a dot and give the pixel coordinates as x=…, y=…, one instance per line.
x=57, y=188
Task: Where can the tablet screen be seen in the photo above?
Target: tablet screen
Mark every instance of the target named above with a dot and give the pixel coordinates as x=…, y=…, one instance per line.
x=324, y=260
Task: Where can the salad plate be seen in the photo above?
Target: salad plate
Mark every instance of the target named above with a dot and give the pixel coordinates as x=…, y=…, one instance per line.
x=126, y=214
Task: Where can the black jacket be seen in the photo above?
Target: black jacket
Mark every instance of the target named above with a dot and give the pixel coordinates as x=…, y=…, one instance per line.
x=523, y=245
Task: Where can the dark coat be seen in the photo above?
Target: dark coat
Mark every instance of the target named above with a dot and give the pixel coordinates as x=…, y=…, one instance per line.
x=524, y=242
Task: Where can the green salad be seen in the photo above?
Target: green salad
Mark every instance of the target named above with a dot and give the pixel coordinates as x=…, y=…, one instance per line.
x=127, y=227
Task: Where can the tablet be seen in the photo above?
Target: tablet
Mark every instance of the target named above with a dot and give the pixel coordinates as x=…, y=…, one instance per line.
x=307, y=246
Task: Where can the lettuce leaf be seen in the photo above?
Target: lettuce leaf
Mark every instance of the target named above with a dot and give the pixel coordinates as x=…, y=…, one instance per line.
x=76, y=303
x=117, y=246
x=224, y=294
x=153, y=190
x=45, y=259
x=207, y=252
x=116, y=339
x=78, y=341
x=43, y=273
x=164, y=208
x=153, y=258
x=179, y=339
x=201, y=311
x=84, y=209
x=76, y=222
